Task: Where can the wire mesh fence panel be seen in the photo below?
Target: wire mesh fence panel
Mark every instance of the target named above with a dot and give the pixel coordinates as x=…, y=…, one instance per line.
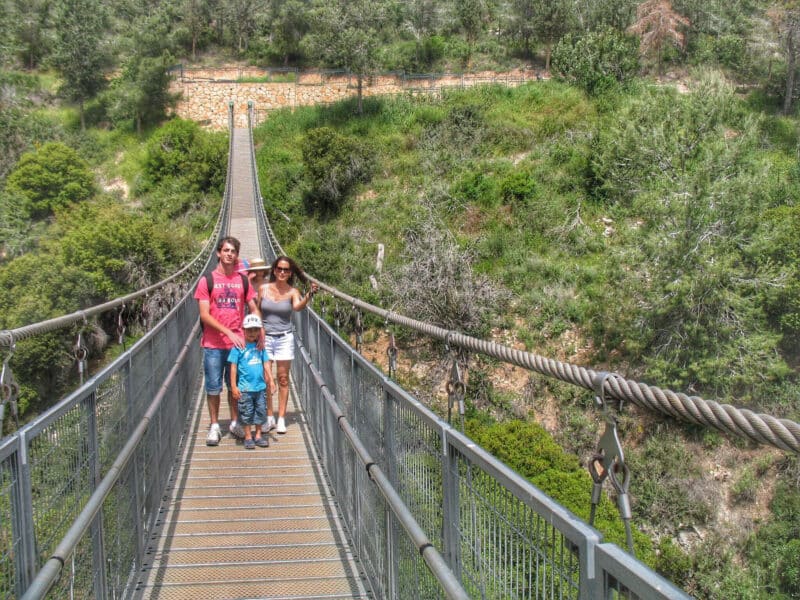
x=371, y=539
x=413, y=578
x=343, y=370
x=368, y=412
x=415, y=462
x=61, y=467
x=120, y=532
x=71, y=447
x=10, y=534
x=112, y=418
x=77, y=581
x=508, y=550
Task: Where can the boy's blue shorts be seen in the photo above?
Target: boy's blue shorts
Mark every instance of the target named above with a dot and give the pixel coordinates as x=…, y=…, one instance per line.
x=253, y=408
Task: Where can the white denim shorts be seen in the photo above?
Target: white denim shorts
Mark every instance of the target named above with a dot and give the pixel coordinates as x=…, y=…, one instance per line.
x=280, y=347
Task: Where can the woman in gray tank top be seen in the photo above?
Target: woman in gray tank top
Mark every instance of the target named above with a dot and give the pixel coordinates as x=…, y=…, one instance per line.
x=278, y=299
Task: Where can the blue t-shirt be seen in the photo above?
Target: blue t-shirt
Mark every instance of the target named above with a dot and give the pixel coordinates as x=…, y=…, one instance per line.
x=249, y=367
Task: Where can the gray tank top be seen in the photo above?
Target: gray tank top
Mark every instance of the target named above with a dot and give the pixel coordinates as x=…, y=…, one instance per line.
x=277, y=316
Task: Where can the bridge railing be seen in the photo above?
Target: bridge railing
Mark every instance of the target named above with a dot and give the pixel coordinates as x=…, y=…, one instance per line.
x=81, y=486
x=500, y=536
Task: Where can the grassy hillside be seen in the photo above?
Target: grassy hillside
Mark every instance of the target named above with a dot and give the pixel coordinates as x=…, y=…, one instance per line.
x=645, y=231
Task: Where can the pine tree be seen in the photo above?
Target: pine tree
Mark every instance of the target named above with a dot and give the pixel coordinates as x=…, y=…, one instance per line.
x=657, y=24
x=80, y=54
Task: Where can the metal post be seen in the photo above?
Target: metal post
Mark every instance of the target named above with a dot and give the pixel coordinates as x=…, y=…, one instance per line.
x=354, y=467
x=390, y=449
x=95, y=475
x=450, y=503
x=22, y=510
x=135, y=480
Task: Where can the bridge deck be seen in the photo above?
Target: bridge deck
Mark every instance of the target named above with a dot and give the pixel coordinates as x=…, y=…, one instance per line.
x=242, y=523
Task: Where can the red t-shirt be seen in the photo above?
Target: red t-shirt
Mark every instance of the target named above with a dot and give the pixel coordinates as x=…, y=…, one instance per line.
x=226, y=304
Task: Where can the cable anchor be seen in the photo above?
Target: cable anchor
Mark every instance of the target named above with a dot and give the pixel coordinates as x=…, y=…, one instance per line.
x=121, y=327
x=81, y=353
x=456, y=386
x=608, y=461
x=145, y=312
x=358, y=328
x=391, y=353
x=9, y=389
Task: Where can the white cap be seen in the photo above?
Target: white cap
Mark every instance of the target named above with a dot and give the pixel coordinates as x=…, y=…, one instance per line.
x=251, y=321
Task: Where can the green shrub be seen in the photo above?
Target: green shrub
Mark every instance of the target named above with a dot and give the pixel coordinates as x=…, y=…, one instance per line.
x=668, y=487
x=745, y=487
x=478, y=187
x=528, y=449
x=50, y=178
x=596, y=61
x=518, y=187
x=180, y=149
x=789, y=569
x=672, y=562
x=334, y=164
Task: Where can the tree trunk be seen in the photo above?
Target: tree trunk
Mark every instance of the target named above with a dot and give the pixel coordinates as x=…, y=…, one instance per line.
x=360, y=94
x=791, y=65
x=548, y=51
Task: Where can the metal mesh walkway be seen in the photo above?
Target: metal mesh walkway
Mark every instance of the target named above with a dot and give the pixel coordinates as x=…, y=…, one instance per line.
x=242, y=523
x=239, y=523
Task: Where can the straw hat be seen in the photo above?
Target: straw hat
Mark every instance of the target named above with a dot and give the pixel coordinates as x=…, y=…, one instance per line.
x=255, y=264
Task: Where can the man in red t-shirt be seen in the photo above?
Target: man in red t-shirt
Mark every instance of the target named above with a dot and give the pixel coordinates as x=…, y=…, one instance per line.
x=221, y=312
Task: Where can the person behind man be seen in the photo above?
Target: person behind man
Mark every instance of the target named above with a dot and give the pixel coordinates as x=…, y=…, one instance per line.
x=251, y=378
x=223, y=306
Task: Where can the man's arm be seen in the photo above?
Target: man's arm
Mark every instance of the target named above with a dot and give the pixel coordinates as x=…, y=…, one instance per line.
x=209, y=321
x=234, y=388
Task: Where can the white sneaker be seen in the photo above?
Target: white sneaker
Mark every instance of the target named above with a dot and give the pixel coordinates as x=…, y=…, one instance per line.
x=213, y=435
x=236, y=430
x=270, y=423
x=281, y=425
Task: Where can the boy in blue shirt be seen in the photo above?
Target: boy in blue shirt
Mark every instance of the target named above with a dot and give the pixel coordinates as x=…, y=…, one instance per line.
x=251, y=377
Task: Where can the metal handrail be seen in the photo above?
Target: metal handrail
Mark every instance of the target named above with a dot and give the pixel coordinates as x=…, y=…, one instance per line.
x=49, y=574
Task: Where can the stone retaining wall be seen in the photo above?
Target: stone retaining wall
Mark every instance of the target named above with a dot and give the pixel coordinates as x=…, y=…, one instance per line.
x=206, y=93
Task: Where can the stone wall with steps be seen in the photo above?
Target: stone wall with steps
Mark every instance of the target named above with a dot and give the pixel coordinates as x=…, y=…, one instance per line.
x=206, y=93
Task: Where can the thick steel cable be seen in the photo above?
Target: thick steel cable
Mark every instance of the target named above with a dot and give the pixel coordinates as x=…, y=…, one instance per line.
x=758, y=427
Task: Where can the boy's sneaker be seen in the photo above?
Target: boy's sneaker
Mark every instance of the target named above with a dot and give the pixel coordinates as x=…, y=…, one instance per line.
x=213, y=435
x=270, y=423
x=262, y=442
x=281, y=428
x=236, y=430
x=249, y=444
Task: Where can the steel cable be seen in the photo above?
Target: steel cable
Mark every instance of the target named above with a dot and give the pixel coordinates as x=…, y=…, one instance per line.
x=741, y=422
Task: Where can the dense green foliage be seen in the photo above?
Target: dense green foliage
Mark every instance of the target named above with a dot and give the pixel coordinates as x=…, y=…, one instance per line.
x=181, y=150
x=596, y=61
x=51, y=178
x=530, y=450
x=688, y=246
x=67, y=245
x=334, y=164
x=656, y=225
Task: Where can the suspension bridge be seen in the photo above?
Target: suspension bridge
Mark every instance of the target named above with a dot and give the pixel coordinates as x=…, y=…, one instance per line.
x=112, y=493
